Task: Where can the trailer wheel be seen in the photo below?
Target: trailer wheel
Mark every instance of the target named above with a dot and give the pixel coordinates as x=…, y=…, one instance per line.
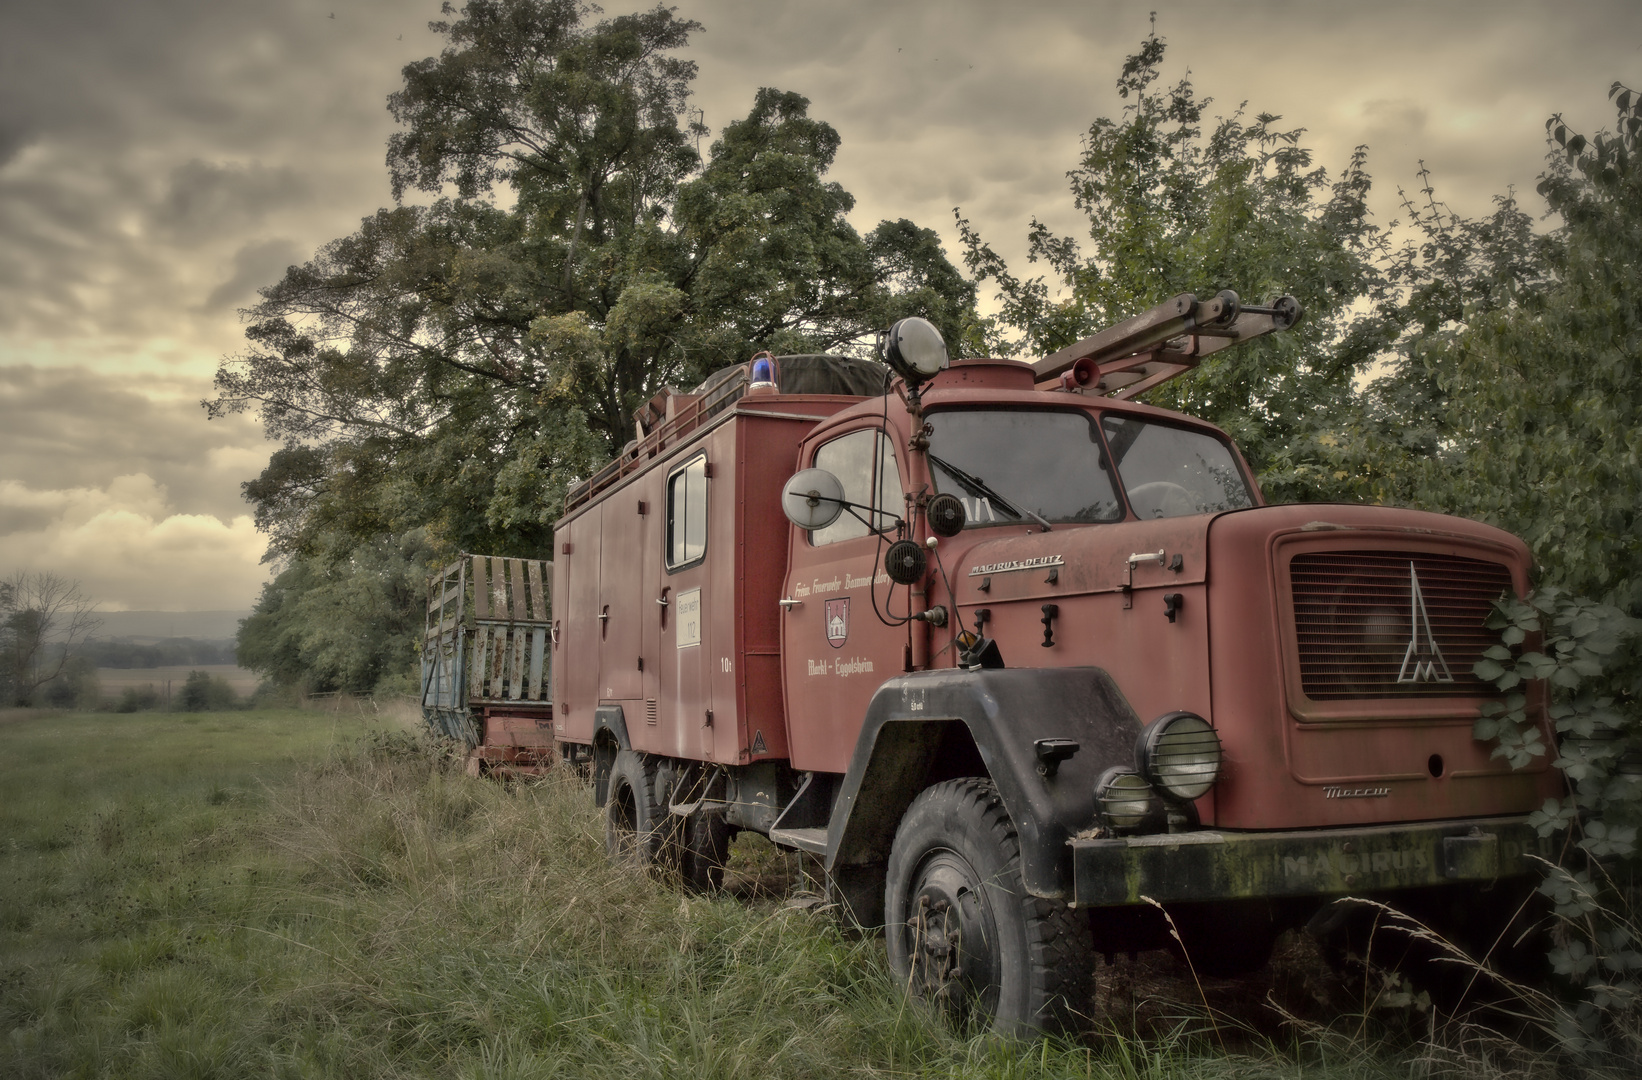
x=634, y=825
x=962, y=932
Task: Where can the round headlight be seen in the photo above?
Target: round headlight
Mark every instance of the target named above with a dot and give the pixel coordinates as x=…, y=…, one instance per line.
x=1179, y=754
x=1123, y=799
x=913, y=348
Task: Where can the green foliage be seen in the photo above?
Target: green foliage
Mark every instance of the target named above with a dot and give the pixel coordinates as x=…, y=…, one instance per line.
x=1177, y=204
x=202, y=692
x=1589, y=657
x=341, y=621
x=138, y=699
x=171, y=652
x=74, y=687
x=1548, y=392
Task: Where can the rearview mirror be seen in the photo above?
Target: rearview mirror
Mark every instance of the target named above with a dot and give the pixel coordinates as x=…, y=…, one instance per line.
x=812, y=499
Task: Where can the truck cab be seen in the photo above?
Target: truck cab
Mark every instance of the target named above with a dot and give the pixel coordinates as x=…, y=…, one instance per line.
x=1032, y=667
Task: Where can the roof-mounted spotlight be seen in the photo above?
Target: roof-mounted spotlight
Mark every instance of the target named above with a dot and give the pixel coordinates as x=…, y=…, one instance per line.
x=914, y=350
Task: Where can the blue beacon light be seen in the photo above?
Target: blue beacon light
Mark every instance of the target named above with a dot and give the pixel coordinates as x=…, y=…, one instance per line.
x=763, y=372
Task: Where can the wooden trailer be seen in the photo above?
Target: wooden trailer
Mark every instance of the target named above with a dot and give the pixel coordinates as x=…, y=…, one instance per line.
x=487, y=668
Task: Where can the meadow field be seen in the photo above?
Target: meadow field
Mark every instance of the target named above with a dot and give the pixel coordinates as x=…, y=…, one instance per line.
x=114, y=680
x=302, y=893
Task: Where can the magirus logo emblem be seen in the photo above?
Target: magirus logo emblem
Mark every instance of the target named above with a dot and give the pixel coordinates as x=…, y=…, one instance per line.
x=838, y=622
x=1422, y=660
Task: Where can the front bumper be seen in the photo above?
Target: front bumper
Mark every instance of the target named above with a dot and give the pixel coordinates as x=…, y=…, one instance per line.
x=1214, y=865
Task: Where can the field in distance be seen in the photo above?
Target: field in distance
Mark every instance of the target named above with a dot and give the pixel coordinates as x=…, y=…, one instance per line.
x=115, y=680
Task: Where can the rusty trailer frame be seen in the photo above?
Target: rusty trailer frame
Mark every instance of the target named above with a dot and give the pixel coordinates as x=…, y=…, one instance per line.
x=487, y=670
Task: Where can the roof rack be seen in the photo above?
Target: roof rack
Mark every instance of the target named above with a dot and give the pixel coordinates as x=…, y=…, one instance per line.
x=671, y=416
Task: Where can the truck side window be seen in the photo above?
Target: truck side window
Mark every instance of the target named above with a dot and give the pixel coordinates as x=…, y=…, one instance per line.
x=864, y=462
x=687, y=515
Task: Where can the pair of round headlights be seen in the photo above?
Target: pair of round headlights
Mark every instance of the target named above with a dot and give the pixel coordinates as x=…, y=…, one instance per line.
x=1177, y=756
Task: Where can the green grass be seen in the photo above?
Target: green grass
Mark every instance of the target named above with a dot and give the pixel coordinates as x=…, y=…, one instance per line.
x=261, y=894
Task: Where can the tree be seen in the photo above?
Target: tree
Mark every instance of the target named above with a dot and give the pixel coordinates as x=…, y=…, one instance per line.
x=43, y=617
x=457, y=366
x=340, y=620
x=1545, y=392
x=1176, y=205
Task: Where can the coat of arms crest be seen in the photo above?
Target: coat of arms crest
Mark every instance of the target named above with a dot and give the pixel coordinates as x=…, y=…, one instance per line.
x=838, y=622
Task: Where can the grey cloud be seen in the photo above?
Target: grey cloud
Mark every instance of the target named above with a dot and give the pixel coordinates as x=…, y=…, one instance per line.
x=204, y=199
x=73, y=428
x=152, y=145
x=255, y=265
x=16, y=519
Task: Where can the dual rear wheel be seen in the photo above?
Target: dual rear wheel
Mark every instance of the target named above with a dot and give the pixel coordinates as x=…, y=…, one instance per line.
x=639, y=830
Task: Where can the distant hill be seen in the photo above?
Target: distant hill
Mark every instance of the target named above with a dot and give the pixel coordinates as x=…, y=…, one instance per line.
x=160, y=625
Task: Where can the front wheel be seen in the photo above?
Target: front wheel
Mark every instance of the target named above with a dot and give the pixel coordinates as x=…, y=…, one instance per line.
x=962, y=932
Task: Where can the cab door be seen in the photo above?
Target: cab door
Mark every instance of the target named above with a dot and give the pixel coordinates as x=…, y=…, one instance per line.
x=838, y=643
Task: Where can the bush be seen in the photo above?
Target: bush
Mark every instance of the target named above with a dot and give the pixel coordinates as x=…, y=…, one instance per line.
x=138, y=699
x=1590, y=656
x=204, y=692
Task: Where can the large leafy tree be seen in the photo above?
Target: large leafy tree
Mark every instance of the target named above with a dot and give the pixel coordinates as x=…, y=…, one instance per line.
x=1176, y=202
x=456, y=364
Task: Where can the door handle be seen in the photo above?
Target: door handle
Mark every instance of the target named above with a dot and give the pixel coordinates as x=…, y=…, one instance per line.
x=789, y=603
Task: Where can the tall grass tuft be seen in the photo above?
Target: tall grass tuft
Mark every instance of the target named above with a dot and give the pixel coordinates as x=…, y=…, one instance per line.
x=267, y=894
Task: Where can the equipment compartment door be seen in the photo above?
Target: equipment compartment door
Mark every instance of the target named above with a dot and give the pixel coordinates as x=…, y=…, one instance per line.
x=680, y=557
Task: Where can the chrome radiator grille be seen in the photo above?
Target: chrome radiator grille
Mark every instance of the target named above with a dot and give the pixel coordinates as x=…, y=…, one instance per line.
x=1387, y=624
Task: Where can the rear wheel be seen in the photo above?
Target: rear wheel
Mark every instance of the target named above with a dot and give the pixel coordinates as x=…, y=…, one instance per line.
x=962, y=932
x=634, y=824
x=706, y=850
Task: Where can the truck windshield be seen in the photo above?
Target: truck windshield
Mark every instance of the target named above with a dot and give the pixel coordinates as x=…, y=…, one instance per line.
x=1173, y=471
x=1010, y=464
x=1017, y=465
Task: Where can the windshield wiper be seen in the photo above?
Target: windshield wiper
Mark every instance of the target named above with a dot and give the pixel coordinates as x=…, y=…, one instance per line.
x=978, y=487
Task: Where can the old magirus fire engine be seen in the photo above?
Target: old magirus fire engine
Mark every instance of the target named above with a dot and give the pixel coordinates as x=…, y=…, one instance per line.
x=1027, y=663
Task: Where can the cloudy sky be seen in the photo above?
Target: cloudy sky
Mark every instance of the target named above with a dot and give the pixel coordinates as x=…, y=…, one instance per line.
x=160, y=160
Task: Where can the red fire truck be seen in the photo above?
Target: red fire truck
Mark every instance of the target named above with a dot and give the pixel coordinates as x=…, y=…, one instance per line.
x=1031, y=667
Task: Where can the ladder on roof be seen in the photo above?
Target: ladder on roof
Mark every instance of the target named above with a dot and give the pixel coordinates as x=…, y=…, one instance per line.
x=1153, y=347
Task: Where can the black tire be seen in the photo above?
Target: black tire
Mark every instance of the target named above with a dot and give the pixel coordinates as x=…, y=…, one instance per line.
x=635, y=825
x=962, y=932
x=706, y=849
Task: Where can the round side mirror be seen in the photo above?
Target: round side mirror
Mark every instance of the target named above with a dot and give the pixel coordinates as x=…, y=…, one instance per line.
x=812, y=499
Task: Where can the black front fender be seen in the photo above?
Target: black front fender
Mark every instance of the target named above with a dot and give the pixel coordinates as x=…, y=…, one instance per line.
x=920, y=728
